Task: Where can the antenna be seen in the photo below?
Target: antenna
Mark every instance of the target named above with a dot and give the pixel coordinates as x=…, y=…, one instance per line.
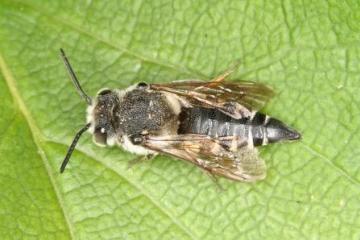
x=74, y=78
x=72, y=147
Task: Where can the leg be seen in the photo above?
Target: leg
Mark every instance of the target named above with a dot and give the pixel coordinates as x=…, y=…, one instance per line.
x=229, y=71
x=212, y=176
x=214, y=179
x=140, y=159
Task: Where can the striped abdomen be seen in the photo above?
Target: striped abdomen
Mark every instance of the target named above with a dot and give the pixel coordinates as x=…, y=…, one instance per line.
x=258, y=130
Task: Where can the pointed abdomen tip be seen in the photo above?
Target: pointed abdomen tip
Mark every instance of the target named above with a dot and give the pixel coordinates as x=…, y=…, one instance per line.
x=277, y=131
x=294, y=135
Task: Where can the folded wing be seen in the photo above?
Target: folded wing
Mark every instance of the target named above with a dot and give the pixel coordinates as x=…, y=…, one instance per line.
x=212, y=155
x=236, y=99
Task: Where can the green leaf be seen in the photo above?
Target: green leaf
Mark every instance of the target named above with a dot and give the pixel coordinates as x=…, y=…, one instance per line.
x=307, y=50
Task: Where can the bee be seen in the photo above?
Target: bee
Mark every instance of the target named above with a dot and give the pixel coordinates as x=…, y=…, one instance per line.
x=215, y=125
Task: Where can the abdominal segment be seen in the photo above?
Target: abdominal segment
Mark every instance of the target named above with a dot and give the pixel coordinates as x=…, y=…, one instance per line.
x=256, y=130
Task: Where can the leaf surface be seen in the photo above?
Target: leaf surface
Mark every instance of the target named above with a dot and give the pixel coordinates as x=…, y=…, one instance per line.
x=308, y=51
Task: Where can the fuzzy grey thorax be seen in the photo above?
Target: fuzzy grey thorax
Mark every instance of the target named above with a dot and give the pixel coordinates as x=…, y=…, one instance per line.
x=118, y=115
x=143, y=111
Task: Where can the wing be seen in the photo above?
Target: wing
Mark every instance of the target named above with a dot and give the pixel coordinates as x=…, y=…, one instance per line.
x=236, y=99
x=212, y=155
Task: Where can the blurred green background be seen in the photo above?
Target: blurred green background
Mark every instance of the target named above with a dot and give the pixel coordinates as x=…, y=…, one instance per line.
x=308, y=51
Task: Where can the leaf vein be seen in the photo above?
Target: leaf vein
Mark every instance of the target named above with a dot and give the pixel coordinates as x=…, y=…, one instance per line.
x=71, y=25
x=332, y=164
x=137, y=186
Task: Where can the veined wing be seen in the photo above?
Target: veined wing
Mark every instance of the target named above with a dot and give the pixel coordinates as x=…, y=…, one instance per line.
x=236, y=99
x=212, y=155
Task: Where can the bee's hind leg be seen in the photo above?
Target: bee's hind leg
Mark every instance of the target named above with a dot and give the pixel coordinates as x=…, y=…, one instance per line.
x=140, y=159
x=227, y=72
x=214, y=179
x=211, y=175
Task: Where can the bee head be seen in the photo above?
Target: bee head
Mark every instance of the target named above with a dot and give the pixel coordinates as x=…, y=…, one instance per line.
x=100, y=113
x=100, y=116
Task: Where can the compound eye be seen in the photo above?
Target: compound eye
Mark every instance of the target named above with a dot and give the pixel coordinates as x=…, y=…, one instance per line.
x=104, y=92
x=100, y=136
x=142, y=85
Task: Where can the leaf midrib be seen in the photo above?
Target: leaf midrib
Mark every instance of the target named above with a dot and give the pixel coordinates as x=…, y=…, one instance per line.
x=36, y=134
